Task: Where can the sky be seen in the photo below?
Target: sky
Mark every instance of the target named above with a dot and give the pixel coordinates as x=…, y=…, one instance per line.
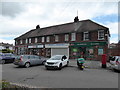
x=20, y=16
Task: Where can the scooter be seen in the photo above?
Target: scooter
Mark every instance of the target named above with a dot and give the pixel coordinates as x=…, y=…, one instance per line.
x=80, y=66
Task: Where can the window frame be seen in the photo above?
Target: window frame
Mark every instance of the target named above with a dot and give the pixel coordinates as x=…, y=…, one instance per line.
x=30, y=40
x=56, y=38
x=66, y=37
x=84, y=36
x=48, y=39
x=21, y=42
x=99, y=35
x=73, y=36
x=43, y=39
x=36, y=40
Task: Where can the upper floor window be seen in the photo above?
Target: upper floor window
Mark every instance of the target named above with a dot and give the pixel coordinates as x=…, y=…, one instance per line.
x=66, y=37
x=43, y=39
x=29, y=40
x=73, y=36
x=48, y=39
x=56, y=38
x=26, y=40
x=21, y=42
x=36, y=40
x=101, y=35
x=86, y=36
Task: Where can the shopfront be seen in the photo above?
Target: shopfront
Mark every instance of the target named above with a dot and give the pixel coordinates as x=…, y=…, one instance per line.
x=57, y=49
x=89, y=50
x=35, y=49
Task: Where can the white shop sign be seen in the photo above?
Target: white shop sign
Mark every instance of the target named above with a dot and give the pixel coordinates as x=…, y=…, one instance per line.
x=57, y=45
x=35, y=46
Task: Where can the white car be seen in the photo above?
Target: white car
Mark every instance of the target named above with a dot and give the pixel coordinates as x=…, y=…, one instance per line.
x=57, y=62
x=115, y=63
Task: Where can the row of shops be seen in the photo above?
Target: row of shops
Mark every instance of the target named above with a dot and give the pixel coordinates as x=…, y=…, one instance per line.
x=89, y=50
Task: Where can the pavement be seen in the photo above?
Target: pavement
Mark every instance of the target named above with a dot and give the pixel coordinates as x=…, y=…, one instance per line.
x=90, y=64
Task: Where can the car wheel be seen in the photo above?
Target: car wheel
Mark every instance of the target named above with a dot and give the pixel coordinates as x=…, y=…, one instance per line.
x=3, y=61
x=60, y=66
x=27, y=65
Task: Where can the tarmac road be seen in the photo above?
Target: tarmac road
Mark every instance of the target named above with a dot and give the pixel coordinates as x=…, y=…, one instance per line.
x=68, y=77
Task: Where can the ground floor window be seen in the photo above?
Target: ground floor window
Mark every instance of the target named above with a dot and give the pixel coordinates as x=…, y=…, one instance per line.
x=100, y=51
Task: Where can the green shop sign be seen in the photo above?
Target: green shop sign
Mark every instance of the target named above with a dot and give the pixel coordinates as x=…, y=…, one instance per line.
x=88, y=44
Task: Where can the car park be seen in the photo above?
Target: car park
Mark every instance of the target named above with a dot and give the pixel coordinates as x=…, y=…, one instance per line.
x=28, y=60
x=57, y=62
x=6, y=58
x=115, y=62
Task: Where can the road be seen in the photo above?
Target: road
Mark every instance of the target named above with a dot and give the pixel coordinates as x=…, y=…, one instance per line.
x=68, y=77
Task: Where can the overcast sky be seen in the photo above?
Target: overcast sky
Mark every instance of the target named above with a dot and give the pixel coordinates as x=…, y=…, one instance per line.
x=20, y=17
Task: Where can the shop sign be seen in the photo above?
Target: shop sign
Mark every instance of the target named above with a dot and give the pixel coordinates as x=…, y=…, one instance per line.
x=35, y=46
x=88, y=44
x=56, y=45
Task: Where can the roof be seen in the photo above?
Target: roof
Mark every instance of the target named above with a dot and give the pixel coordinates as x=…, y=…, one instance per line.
x=80, y=26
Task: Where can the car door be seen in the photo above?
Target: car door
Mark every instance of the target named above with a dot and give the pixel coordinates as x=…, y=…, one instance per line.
x=37, y=60
x=32, y=60
x=64, y=61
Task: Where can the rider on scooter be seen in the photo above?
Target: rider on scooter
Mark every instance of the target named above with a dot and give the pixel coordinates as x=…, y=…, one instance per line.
x=80, y=61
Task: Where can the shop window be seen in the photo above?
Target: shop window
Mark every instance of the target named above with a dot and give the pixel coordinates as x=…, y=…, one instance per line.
x=48, y=39
x=100, y=51
x=100, y=35
x=86, y=36
x=89, y=52
x=66, y=37
x=36, y=40
x=43, y=39
x=73, y=36
x=56, y=38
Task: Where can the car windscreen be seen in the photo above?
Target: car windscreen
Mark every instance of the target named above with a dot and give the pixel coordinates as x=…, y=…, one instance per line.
x=56, y=58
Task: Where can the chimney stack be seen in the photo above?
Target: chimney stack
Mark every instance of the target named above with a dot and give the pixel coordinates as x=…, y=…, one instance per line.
x=37, y=27
x=76, y=19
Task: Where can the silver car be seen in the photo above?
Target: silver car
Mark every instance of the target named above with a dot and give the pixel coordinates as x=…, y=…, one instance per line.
x=28, y=60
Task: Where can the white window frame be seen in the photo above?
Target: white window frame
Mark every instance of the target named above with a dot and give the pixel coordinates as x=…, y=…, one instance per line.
x=99, y=35
x=36, y=40
x=26, y=41
x=85, y=39
x=21, y=42
x=66, y=37
x=73, y=36
x=56, y=38
x=29, y=40
x=48, y=39
x=43, y=39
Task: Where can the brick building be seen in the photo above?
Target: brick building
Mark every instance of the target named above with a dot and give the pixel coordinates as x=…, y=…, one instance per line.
x=73, y=39
x=114, y=49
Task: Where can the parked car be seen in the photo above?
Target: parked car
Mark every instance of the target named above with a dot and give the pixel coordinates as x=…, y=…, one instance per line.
x=115, y=62
x=28, y=60
x=57, y=62
x=6, y=58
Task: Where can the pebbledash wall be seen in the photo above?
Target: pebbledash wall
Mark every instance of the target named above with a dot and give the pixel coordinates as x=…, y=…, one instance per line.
x=79, y=38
